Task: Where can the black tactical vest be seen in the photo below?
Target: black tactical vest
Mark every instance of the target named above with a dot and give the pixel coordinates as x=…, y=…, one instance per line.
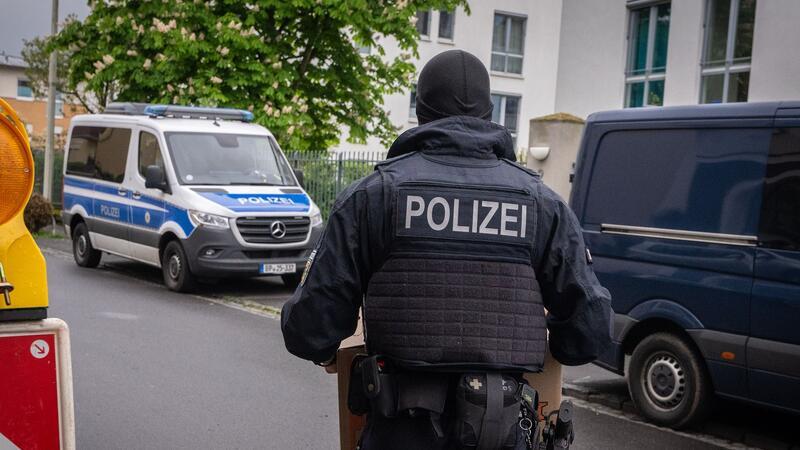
x=457, y=289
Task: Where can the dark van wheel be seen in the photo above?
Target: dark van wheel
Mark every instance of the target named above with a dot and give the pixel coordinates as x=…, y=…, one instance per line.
x=668, y=382
x=291, y=280
x=85, y=255
x=175, y=269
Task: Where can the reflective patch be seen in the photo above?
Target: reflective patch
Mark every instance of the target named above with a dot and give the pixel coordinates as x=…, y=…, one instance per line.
x=309, y=262
x=588, y=256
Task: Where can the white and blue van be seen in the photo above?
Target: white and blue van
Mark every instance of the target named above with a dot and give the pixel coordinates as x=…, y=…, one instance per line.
x=199, y=192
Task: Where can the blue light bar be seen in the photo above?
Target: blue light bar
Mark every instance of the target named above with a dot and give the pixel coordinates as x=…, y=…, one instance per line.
x=195, y=112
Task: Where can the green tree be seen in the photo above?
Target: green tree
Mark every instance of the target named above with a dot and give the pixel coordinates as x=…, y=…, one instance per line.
x=294, y=63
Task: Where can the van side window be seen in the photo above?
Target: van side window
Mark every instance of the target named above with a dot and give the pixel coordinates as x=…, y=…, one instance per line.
x=780, y=210
x=703, y=179
x=149, y=152
x=112, y=153
x=82, y=147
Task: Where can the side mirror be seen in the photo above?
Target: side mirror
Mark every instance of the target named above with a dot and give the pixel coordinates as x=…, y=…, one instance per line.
x=301, y=177
x=154, y=179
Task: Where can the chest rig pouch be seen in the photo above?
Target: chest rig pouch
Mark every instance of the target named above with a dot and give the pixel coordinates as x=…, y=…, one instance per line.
x=457, y=289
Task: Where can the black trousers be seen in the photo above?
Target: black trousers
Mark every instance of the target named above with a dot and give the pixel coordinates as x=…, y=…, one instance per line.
x=417, y=433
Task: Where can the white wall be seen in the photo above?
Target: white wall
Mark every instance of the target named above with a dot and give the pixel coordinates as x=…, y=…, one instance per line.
x=592, y=54
x=775, y=73
x=473, y=33
x=8, y=80
x=684, y=51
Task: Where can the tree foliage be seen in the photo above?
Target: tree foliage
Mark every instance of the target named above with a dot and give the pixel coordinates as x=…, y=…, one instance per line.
x=294, y=63
x=36, y=54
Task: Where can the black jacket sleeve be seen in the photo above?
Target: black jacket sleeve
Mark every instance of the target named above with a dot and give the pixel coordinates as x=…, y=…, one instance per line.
x=324, y=309
x=579, y=308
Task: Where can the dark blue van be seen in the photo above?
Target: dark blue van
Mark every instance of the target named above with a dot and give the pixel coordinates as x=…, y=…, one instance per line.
x=693, y=217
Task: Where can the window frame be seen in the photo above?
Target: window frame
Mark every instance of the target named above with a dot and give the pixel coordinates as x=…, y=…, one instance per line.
x=448, y=39
x=429, y=14
x=648, y=76
x=509, y=16
x=504, y=96
x=29, y=98
x=139, y=151
x=729, y=66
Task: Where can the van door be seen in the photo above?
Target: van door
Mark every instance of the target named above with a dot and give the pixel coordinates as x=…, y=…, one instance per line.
x=111, y=203
x=148, y=205
x=773, y=350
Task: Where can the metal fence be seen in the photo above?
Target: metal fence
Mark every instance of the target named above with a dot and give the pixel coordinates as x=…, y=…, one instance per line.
x=38, y=176
x=327, y=174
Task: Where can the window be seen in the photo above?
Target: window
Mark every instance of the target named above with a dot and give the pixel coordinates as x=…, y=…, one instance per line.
x=59, y=106
x=227, y=159
x=412, y=104
x=728, y=49
x=447, y=21
x=647, y=56
x=508, y=40
x=780, y=222
x=99, y=152
x=364, y=49
x=506, y=113
x=424, y=23
x=24, y=89
x=149, y=152
x=706, y=180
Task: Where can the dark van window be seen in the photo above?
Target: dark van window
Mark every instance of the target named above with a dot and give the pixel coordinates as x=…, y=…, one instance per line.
x=705, y=180
x=99, y=152
x=149, y=152
x=82, y=147
x=112, y=153
x=780, y=213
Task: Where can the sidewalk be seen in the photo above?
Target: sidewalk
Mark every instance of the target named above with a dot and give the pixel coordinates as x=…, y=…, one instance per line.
x=749, y=425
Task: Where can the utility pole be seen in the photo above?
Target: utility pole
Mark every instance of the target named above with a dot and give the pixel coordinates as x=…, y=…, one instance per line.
x=47, y=181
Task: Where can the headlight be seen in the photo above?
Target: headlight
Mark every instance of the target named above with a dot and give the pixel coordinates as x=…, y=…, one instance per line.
x=316, y=215
x=209, y=220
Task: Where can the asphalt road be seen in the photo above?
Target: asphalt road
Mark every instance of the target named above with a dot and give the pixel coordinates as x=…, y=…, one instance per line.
x=154, y=369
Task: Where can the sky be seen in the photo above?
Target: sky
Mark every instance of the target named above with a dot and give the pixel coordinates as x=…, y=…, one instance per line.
x=26, y=19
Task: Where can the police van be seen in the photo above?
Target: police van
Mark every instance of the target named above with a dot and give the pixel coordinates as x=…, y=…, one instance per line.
x=199, y=192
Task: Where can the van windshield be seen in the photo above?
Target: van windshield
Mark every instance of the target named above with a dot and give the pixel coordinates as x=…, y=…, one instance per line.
x=226, y=159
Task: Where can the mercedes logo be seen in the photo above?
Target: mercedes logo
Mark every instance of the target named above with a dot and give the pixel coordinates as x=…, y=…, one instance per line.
x=278, y=229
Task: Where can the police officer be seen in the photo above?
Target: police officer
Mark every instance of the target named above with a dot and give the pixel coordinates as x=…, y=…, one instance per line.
x=454, y=251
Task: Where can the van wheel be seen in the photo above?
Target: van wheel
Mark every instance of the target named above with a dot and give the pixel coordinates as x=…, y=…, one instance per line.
x=291, y=280
x=175, y=268
x=668, y=382
x=85, y=255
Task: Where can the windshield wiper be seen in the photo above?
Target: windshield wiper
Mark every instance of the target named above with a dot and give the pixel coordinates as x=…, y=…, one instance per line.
x=245, y=183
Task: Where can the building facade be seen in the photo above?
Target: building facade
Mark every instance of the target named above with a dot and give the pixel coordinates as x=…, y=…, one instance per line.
x=15, y=88
x=515, y=39
x=582, y=56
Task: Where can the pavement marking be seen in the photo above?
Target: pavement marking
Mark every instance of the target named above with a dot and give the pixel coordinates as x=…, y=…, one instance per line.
x=239, y=304
x=701, y=437
x=118, y=315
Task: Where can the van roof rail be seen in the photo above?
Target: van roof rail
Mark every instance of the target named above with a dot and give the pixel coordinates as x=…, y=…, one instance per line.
x=178, y=111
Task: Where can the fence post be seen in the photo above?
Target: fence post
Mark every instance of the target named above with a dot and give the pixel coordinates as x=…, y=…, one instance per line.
x=339, y=172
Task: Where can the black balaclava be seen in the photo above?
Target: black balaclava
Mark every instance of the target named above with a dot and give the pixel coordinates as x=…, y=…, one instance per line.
x=453, y=83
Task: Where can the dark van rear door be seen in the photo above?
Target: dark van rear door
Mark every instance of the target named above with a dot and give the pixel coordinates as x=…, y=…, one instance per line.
x=773, y=351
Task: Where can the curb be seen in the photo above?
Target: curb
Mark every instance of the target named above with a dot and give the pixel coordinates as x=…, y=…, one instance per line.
x=719, y=430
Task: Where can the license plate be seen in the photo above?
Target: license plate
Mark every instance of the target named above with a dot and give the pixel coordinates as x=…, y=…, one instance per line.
x=272, y=269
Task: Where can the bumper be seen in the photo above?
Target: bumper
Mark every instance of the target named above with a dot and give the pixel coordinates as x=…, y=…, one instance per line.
x=230, y=258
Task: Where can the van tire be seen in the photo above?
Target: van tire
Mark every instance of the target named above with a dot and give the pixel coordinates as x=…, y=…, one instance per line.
x=175, y=268
x=291, y=280
x=82, y=250
x=668, y=381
